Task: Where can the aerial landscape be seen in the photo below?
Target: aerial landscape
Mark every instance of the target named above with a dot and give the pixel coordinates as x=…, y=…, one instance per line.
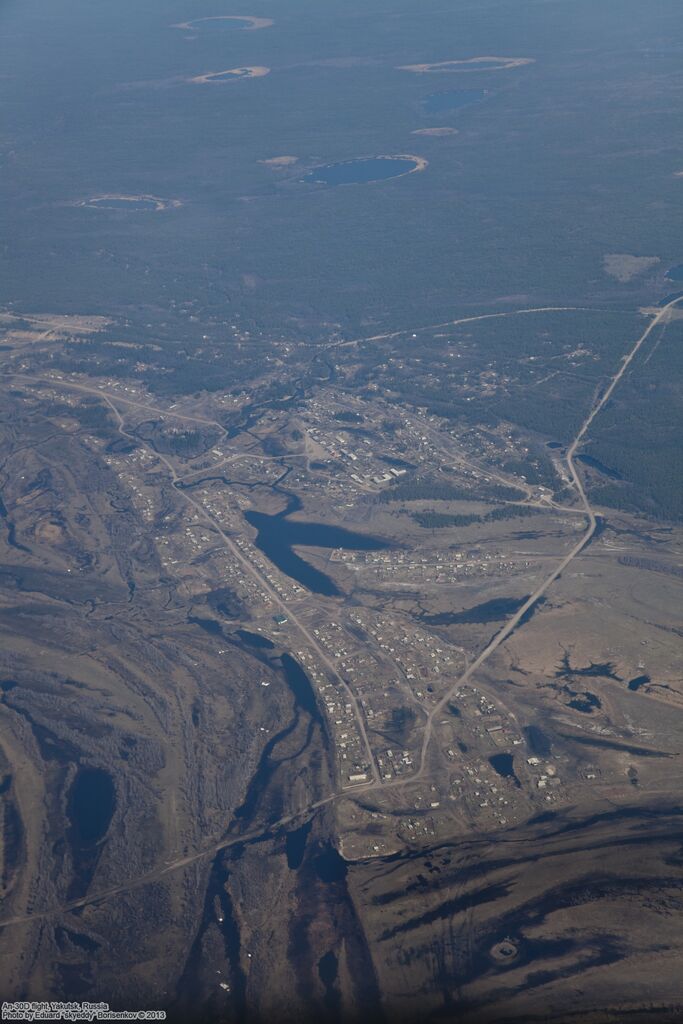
x=341, y=511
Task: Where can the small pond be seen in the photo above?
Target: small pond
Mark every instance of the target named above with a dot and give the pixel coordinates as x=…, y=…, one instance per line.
x=363, y=171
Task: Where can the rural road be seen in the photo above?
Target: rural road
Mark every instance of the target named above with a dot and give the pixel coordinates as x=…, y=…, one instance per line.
x=661, y=316
x=502, y=635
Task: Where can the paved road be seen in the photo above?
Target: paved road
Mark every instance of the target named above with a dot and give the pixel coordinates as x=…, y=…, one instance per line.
x=471, y=320
x=499, y=638
x=248, y=567
x=159, y=872
x=503, y=634
x=252, y=571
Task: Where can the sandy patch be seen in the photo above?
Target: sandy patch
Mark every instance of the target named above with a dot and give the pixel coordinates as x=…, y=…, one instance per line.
x=56, y=325
x=675, y=313
x=436, y=132
x=250, y=23
x=229, y=75
x=420, y=162
x=624, y=267
x=469, y=64
x=48, y=533
x=280, y=161
x=21, y=337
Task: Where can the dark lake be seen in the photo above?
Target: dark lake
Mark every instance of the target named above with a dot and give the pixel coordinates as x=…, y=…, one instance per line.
x=91, y=804
x=502, y=764
x=588, y=460
x=295, y=845
x=539, y=743
x=327, y=972
x=488, y=611
x=675, y=273
x=301, y=687
x=359, y=172
x=255, y=639
x=635, y=684
x=329, y=865
x=275, y=538
x=209, y=626
x=585, y=702
x=455, y=99
x=594, y=669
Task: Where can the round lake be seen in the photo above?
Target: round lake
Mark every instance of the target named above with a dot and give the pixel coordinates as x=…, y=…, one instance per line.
x=215, y=26
x=360, y=172
x=106, y=203
x=224, y=23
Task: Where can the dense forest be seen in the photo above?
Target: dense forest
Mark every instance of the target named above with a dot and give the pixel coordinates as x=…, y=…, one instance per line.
x=438, y=520
x=639, y=431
